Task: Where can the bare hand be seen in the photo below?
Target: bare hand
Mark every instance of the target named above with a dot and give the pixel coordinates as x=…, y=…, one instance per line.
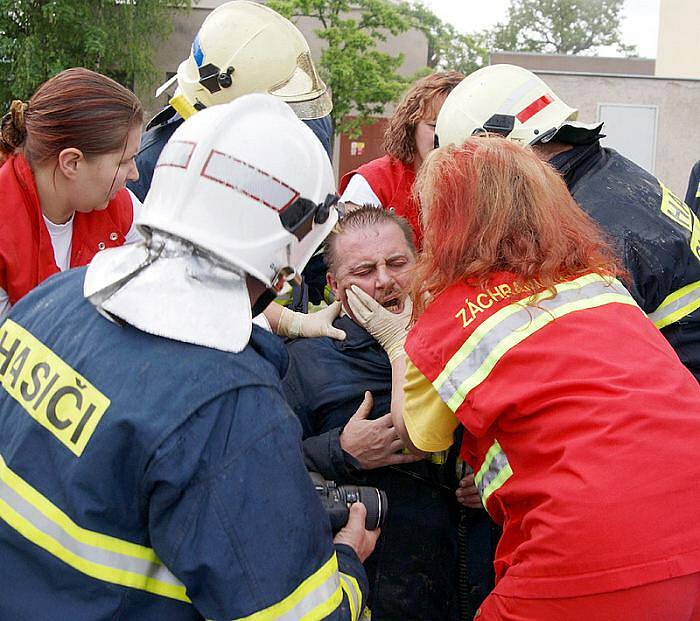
x=467, y=494
x=355, y=535
x=373, y=443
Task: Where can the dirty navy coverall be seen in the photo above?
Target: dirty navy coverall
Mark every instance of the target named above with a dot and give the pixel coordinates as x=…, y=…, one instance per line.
x=413, y=570
x=654, y=232
x=146, y=478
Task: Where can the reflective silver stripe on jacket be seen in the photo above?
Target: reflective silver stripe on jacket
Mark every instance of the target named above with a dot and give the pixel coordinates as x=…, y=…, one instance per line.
x=513, y=324
x=677, y=306
x=352, y=590
x=95, y=554
x=494, y=472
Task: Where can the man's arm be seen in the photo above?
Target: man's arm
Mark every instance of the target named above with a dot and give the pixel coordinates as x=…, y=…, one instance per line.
x=234, y=515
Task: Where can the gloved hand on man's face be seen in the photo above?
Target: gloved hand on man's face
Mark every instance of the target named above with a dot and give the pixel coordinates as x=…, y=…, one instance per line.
x=388, y=326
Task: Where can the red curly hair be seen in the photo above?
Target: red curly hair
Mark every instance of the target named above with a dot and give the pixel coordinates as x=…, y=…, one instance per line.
x=493, y=206
x=418, y=103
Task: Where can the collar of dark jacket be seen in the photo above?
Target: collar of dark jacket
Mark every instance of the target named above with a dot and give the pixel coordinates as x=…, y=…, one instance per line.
x=270, y=347
x=572, y=164
x=356, y=337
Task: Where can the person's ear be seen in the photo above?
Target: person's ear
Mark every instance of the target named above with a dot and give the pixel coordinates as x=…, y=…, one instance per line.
x=69, y=160
x=333, y=284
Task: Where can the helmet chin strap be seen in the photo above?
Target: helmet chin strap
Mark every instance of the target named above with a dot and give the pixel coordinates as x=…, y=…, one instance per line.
x=286, y=274
x=182, y=106
x=266, y=298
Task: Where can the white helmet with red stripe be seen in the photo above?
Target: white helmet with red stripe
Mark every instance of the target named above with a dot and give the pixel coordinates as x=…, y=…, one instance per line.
x=240, y=189
x=502, y=99
x=247, y=182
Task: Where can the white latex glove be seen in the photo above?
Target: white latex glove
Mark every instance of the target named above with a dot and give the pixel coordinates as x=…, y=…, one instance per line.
x=294, y=325
x=390, y=329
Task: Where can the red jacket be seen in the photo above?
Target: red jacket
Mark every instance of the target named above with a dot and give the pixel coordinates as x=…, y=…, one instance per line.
x=392, y=181
x=26, y=252
x=582, y=427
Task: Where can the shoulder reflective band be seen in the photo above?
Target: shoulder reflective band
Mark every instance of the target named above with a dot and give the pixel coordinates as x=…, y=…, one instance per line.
x=494, y=472
x=677, y=305
x=513, y=324
x=314, y=599
x=100, y=556
x=354, y=594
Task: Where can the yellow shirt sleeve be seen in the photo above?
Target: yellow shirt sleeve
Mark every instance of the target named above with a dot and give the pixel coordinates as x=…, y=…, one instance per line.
x=429, y=422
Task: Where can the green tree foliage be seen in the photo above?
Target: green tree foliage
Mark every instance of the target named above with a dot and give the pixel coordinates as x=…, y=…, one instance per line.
x=561, y=26
x=362, y=78
x=39, y=38
x=448, y=49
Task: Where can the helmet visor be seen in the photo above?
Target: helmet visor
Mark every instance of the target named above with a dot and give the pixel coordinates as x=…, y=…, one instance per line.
x=304, y=91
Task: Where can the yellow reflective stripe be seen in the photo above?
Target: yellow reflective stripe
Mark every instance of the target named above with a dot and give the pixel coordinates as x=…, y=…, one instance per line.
x=513, y=324
x=41, y=522
x=314, y=599
x=515, y=338
x=51, y=511
x=502, y=477
x=488, y=325
x=496, y=465
x=354, y=595
x=328, y=295
x=677, y=305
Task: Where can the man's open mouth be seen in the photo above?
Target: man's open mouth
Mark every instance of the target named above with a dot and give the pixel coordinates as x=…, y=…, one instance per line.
x=392, y=304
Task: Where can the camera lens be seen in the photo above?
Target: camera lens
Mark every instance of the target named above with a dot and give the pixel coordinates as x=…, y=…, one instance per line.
x=372, y=498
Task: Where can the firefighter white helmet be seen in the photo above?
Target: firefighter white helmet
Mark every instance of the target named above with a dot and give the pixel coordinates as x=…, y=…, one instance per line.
x=248, y=183
x=240, y=189
x=502, y=99
x=245, y=47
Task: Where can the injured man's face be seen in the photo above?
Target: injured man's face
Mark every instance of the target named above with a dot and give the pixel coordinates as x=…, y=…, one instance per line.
x=378, y=259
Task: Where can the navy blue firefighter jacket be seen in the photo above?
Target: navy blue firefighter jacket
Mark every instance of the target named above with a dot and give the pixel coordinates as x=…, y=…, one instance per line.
x=655, y=233
x=692, y=194
x=145, y=478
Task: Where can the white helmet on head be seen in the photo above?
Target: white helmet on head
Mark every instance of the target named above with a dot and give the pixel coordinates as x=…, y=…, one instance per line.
x=502, y=99
x=247, y=182
x=240, y=189
x=245, y=47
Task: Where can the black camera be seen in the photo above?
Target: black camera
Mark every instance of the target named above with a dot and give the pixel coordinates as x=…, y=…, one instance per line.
x=336, y=500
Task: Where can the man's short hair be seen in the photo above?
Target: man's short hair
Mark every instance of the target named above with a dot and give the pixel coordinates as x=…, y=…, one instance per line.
x=365, y=217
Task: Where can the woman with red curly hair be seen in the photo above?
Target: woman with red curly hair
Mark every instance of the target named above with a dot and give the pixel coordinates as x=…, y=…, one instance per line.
x=578, y=419
x=388, y=181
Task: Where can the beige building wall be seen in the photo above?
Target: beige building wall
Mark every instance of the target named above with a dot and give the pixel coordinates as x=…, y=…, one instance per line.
x=678, y=53
x=579, y=64
x=677, y=102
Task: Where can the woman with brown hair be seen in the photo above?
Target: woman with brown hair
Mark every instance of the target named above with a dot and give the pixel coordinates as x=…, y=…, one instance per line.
x=67, y=154
x=578, y=418
x=388, y=181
